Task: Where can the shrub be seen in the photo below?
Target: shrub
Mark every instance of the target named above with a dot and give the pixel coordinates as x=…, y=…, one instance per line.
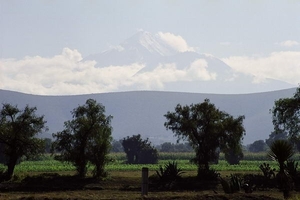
x=291, y=168
x=267, y=171
x=169, y=174
x=139, y=151
x=208, y=175
x=234, y=184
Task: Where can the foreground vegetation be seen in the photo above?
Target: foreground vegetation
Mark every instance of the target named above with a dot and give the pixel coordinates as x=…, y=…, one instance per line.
x=46, y=178
x=119, y=185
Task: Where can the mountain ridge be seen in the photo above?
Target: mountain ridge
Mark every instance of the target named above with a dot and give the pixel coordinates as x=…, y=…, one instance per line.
x=142, y=112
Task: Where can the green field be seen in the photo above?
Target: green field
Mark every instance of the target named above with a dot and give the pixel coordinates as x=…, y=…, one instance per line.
x=185, y=165
x=250, y=163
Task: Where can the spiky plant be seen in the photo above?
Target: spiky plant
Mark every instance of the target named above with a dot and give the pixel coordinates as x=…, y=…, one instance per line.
x=169, y=174
x=281, y=151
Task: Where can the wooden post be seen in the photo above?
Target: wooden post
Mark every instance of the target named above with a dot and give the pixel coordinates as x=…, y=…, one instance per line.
x=145, y=181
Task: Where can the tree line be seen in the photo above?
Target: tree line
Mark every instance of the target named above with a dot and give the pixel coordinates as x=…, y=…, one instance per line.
x=87, y=138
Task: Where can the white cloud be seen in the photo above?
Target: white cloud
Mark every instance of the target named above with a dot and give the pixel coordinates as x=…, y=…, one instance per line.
x=164, y=73
x=62, y=74
x=71, y=54
x=198, y=69
x=176, y=41
x=67, y=74
x=289, y=43
x=283, y=66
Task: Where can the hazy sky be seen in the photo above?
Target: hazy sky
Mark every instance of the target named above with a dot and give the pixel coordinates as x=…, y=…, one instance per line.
x=42, y=41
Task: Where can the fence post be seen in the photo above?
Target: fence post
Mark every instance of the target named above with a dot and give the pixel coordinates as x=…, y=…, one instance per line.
x=145, y=181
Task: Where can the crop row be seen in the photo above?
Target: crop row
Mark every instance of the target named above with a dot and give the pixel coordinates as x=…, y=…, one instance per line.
x=251, y=162
x=185, y=165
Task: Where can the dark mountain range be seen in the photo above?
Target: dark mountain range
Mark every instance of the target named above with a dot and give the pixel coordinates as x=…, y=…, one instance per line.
x=143, y=112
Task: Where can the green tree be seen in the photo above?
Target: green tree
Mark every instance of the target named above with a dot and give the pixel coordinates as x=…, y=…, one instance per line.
x=233, y=132
x=18, y=129
x=116, y=146
x=48, y=144
x=286, y=117
x=207, y=129
x=178, y=147
x=276, y=136
x=85, y=139
x=258, y=146
x=139, y=151
x=167, y=147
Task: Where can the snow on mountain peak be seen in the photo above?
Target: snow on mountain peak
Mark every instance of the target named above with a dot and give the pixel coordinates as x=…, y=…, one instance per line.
x=152, y=43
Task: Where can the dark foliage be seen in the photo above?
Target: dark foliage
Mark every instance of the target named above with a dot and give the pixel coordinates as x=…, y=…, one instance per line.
x=258, y=146
x=116, y=146
x=179, y=147
x=286, y=117
x=291, y=167
x=48, y=144
x=233, y=184
x=233, y=157
x=267, y=171
x=207, y=128
x=281, y=151
x=169, y=174
x=18, y=131
x=208, y=175
x=85, y=139
x=139, y=151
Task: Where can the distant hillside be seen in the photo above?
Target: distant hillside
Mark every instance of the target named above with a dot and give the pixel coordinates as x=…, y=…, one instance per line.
x=141, y=112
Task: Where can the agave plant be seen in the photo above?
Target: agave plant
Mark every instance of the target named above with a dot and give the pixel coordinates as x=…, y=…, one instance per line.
x=267, y=170
x=170, y=173
x=281, y=151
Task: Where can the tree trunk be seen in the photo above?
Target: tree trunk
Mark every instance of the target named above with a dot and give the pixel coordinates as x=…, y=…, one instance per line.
x=82, y=170
x=10, y=168
x=206, y=165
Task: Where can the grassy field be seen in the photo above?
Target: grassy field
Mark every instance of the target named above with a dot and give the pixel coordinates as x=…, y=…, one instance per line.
x=50, y=179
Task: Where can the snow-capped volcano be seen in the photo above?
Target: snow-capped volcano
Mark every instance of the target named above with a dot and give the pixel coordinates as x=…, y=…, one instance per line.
x=142, y=47
x=152, y=50
x=148, y=43
x=169, y=64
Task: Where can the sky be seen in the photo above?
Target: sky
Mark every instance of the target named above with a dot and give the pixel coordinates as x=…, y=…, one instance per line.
x=43, y=42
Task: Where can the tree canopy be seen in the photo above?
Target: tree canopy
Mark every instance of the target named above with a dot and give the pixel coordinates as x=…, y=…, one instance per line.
x=18, y=129
x=258, y=146
x=139, y=151
x=207, y=129
x=178, y=147
x=86, y=138
x=286, y=117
